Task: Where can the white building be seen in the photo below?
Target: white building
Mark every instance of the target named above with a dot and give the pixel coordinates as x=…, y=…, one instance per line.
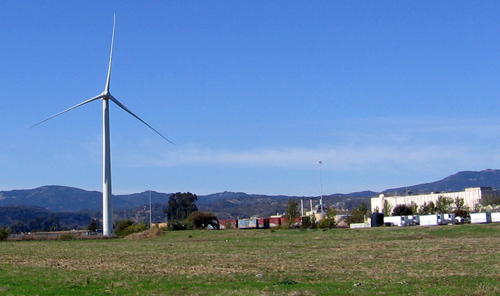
x=471, y=197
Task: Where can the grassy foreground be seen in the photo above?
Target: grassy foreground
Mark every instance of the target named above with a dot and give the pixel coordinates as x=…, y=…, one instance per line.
x=442, y=260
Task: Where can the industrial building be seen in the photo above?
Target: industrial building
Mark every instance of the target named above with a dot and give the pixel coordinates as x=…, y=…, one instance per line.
x=471, y=196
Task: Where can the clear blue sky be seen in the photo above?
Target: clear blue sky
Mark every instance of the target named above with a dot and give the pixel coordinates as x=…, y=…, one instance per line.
x=253, y=93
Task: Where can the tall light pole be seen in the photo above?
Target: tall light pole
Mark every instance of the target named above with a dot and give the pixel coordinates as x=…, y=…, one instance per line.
x=321, y=186
x=150, y=210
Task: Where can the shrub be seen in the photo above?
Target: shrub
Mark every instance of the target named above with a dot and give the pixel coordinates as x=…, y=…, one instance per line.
x=292, y=212
x=358, y=214
x=329, y=219
x=306, y=222
x=4, y=233
x=228, y=225
x=200, y=220
x=178, y=225
x=462, y=214
x=127, y=227
x=67, y=237
x=327, y=223
x=402, y=210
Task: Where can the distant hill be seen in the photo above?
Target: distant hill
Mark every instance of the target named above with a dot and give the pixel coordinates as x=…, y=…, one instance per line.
x=224, y=204
x=234, y=205
x=69, y=199
x=245, y=205
x=28, y=218
x=136, y=206
x=55, y=198
x=211, y=198
x=456, y=182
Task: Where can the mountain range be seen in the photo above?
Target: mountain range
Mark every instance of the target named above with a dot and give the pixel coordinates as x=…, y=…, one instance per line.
x=223, y=205
x=456, y=182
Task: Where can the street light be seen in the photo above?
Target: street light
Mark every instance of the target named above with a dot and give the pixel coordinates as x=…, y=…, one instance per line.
x=321, y=186
x=150, y=211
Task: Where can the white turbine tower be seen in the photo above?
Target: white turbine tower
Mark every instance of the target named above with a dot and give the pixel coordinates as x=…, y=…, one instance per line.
x=105, y=96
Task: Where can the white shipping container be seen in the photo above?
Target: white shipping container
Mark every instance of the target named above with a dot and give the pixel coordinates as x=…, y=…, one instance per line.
x=445, y=219
x=428, y=220
x=480, y=218
x=394, y=220
x=410, y=220
x=360, y=225
x=495, y=217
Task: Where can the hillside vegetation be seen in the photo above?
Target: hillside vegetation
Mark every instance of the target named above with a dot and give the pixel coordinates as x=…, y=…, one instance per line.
x=52, y=203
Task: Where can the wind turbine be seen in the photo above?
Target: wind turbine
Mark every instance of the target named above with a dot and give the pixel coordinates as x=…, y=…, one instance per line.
x=105, y=96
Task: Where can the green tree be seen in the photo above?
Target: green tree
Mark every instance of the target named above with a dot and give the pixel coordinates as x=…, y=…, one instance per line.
x=94, y=225
x=313, y=222
x=292, y=212
x=36, y=224
x=414, y=208
x=51, y=224
x=444, y=204
x=460, y=204
x=180, y=205
x=387, y=208
x=200, y=220
x=427, y=209
x=4, y=233
x=490, y=199
x=329, y=219
x=402, y=210
x=19, y=226
x=358, y=214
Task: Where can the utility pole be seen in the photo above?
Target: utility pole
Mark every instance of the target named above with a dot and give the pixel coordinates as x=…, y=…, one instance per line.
x=150, y=209
x=321, y=186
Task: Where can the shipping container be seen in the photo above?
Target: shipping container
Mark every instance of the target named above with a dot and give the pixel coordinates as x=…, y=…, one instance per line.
x=445, y=219
x=228, y=223
x=428, y=220
x=410, y=220
x=263, y=223
x=274, y=222
x=480, y=218
x=495, y=217
x=248, y=224
x=297, y=222
x=360, y=225
x=393, y=221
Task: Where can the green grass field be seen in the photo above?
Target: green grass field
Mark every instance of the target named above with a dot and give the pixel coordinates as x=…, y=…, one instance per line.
x=441, y=260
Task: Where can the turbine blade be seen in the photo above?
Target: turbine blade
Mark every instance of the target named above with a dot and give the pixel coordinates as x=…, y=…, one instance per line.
x=131, y=113
x=76, y=106
x=108, y=80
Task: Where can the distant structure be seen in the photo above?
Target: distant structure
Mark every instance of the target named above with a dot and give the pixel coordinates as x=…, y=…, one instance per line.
x=471, y=196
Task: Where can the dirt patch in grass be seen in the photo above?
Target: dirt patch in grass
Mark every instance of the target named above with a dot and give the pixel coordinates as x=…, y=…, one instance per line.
x=150, y=233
